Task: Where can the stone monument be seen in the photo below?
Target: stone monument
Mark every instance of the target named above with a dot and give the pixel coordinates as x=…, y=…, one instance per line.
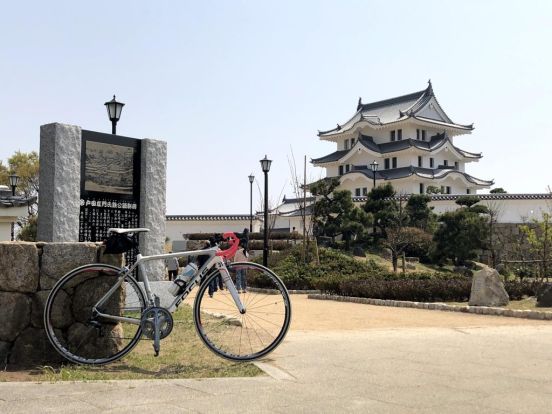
x=91, y=181
x=488, y=289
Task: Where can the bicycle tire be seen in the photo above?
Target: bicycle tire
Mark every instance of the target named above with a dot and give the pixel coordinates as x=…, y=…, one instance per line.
x=75, y=332
x=248, y=336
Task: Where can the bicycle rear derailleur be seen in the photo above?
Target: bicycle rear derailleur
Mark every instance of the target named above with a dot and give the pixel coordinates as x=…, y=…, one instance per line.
x=157, y=323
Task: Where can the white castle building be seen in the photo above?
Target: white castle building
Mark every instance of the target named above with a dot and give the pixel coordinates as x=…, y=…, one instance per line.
x=411, y=138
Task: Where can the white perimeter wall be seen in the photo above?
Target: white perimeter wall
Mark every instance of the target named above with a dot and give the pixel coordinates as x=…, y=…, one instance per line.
x=176, y=229
x=509, y=211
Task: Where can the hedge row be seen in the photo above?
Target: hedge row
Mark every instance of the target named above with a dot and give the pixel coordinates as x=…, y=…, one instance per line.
x=437, y=289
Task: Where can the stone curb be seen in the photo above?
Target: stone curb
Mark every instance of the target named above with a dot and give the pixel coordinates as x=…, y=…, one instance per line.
x=291, y=292
x=480, y=310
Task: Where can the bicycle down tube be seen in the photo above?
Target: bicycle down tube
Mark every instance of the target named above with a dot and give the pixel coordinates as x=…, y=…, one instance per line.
x=214, y=262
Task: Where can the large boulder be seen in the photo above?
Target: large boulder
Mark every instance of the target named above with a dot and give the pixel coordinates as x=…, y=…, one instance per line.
x=16, y=309
x=61, y=309
x=5, y=348
x=544, y=297
x=18, y=267
x=487, y=289
x=93, y=344
x=88, y=293
x=32, y=347
x=117, y=260
x=60, y=258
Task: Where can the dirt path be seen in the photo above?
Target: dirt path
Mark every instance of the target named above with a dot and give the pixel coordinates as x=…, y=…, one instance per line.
x=327, y=315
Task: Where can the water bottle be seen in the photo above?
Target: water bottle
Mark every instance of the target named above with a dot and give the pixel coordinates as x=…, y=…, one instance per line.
x=182, y=279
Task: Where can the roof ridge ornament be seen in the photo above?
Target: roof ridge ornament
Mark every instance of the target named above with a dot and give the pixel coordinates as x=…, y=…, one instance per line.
x=430, y=88
x=359, y=105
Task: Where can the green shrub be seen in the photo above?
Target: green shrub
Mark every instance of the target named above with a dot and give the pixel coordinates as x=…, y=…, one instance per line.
x=517, y=290
x=419, y=290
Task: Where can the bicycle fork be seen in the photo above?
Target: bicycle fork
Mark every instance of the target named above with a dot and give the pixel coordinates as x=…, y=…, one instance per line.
x=231, y=287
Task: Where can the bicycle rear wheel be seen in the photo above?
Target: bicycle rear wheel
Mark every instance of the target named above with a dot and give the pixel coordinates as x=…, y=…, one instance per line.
x=253, y=334
x=74, y=328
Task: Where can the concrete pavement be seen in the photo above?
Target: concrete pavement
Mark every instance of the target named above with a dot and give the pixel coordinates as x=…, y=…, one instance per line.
x=466, y=365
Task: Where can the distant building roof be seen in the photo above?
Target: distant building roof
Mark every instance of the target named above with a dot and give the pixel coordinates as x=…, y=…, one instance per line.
x=482, y=197
x=7, y=200
x=210, y=217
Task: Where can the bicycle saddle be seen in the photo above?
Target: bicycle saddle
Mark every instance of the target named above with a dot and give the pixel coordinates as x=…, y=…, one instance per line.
x=122, y=231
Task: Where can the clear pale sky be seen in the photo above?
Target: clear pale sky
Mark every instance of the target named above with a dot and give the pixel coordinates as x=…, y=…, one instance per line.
x=226, y=82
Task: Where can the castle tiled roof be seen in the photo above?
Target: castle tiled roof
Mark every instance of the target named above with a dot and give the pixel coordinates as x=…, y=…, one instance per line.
x=394, y=110
x=429, y=173
x=436, y=142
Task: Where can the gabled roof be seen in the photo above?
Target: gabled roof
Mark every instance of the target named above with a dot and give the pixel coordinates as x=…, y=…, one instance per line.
x=403, y=172
x=421, y=106
x=435, y=142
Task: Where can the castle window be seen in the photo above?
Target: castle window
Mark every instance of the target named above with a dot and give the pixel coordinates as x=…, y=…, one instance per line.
x=448, y=189
x=393, y=135
x=468, y=191
x=347, y=168
x=346, y=144
x=357, y=192
x=364, y=191
x=442, y=189
x=352, y=142
x=341, y=170
x=431, y=163
x=455, y=165
x=417, y=134
x=394, y=162
x=419, y=161
x=423, y=134
x=399, y=134
x=386, y=163
x=421, y=188
x=445, y=163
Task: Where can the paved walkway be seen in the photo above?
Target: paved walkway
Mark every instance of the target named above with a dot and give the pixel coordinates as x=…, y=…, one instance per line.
x=379, y=360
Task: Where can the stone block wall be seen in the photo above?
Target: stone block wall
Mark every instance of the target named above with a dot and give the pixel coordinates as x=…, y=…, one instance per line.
x=27, y=273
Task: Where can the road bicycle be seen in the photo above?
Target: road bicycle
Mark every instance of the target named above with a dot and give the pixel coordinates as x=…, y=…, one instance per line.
x=97, y=313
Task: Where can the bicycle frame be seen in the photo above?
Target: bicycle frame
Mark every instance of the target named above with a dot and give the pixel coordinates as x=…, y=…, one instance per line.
x=214, y=262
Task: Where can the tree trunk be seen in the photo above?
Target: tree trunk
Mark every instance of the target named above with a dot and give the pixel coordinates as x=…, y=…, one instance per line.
x=395, y=260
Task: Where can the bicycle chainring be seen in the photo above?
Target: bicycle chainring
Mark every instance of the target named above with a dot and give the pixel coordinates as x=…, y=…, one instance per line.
x=165, y=322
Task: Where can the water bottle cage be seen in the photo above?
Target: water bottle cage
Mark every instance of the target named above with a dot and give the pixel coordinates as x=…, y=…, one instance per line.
x=181, y=285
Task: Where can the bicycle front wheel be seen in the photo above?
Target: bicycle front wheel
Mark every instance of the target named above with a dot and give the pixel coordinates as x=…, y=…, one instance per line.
x=71, y=317
x=249, y=335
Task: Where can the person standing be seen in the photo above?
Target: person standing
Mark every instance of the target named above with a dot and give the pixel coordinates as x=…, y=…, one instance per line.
x=172, y=266
x=241, y=256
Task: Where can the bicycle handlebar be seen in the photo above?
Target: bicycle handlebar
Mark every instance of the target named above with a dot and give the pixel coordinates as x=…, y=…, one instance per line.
x=231, y=251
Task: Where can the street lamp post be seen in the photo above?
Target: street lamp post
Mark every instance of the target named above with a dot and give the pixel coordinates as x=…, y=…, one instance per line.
x=251, y=179
x=114, y=110
x=374, y=167
x=14, y=180
x=265, y=166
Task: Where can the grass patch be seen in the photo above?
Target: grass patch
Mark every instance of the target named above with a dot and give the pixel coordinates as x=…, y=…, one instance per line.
x=183, y=355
